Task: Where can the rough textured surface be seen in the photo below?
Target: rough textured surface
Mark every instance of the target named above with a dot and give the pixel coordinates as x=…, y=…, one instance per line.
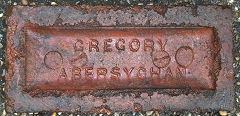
x=120, y=58
x=235, y=4
x=122, y=100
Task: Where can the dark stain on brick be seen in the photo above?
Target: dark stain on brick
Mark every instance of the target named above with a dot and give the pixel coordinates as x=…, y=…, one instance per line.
x=23, y=99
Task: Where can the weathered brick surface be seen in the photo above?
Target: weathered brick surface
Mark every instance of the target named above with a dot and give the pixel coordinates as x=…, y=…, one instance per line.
x=42, y=52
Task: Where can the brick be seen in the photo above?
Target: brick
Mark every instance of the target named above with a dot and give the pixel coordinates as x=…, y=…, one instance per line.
x=105, y=59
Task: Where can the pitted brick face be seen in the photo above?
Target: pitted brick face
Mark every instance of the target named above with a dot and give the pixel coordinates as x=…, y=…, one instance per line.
x=123, y=58
x=106, y=59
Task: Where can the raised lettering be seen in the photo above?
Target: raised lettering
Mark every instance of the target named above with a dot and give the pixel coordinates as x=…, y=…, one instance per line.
x=78, y=46
x=148, y=44
x=63, y=73
x=115, y=73
x=162, y=45
x=101, y=73
x=76, y=73
x=93, y=44
x=120, y=47
x=168, y=74
x=128, y=72
x=88, y=72
x=141, y=72
x=134, y=45
x=118, y=59
x=156, y=73
x=107, y=46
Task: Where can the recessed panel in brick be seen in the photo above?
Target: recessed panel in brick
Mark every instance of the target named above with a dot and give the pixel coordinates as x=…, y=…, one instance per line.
x=108, y=59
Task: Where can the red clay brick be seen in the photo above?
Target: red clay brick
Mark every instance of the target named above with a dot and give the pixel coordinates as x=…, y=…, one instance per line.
x=105, y=59
x=123, y=58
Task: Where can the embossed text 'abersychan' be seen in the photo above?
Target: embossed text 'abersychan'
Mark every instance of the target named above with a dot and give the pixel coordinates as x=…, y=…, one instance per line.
x=120, y=58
